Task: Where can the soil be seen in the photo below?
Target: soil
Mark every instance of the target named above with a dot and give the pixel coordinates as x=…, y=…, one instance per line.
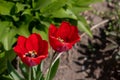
x=91, y=58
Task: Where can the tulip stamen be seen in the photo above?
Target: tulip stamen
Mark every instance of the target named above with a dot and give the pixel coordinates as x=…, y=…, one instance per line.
x=32, y=54
x=61, y=40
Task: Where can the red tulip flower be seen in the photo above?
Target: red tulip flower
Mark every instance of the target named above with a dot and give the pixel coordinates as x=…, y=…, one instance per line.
x=31, y=50
x=63, y=38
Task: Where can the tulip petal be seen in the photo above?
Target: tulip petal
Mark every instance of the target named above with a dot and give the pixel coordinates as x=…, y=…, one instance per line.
x=52, y=30
x=18, y=51
x=74, y=36
x=43, y=50
x=32, y=61
x=33, y=42
x=64, y=30
x=20, y=48
x=59, y=46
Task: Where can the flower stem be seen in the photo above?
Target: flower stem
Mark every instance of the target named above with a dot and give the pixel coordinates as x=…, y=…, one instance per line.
x=30, y=73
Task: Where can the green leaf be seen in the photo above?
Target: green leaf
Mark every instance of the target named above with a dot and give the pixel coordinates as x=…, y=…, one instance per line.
x=1, y=48
x=3, y=62
x=24, y=69
x=23, y=30
x=78, y=10
x=84, y=28
x=9, y=39
x=54, y=6
x=28, y=12
x=39, y=76
x=7, y=33
x=10, y=55
x=34, y=70
x=3, y=26
x=39, y=72
x=82, y=3
x=41, y=3
x=61, y=13
x=20, y=7
x=82, y=24
x=5, y=77
x=42, y=30
x=52, y=70
x=5, y=7
x=4, y=56
x=13, y=73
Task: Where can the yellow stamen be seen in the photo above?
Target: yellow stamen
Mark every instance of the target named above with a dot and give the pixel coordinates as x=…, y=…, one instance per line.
x=30, y=54
x=61, y=40
x=33, y=52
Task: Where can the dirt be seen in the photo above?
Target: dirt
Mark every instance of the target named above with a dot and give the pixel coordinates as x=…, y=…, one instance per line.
x=91, y=59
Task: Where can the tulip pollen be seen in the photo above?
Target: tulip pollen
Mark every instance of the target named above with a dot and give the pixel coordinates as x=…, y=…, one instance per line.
x=31, y=54
x=61, y=40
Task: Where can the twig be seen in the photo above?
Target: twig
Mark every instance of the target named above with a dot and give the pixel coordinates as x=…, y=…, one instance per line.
x=96, y=26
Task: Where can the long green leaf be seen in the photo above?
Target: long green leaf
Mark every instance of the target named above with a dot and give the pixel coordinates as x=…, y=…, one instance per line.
x=5, y=77
x=53, y=69
x=39, y=72
x=13, y=73
x=24, y=69
x=84, y=28
x=4, y=56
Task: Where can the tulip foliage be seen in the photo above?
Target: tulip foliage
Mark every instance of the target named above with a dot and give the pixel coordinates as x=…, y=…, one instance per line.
x=26, y=27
